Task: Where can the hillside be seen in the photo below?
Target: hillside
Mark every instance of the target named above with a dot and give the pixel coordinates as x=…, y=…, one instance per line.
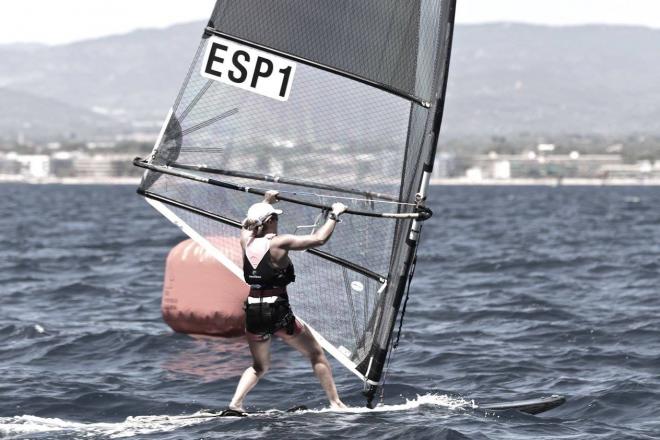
x=506, y=79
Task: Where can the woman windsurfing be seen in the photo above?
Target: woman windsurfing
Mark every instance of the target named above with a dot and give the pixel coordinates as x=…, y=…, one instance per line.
x=268, y=270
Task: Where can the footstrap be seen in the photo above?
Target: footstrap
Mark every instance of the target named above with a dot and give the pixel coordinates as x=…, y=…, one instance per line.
x=233, y=413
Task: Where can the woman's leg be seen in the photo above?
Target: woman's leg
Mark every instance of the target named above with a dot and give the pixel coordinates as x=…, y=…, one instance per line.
x=308, y=346
x=260, y=350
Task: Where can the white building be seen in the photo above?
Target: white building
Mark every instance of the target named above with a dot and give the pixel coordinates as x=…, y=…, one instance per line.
x=474, y=174
x=31, y=166
x=502, y=169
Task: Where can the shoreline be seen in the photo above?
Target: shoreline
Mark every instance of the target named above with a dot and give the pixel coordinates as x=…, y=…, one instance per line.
x=461, y=181
x=576, y=181
x=71, y=180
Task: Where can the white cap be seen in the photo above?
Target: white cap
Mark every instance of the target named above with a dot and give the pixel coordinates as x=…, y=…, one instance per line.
x=261, y=211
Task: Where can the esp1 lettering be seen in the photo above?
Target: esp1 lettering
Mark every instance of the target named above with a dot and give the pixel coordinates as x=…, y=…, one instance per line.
x=248, y=68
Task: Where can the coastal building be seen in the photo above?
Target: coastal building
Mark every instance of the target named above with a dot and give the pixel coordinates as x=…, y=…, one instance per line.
x=9, y=166
x=28, y=166
x=64, y=164
x=103, y=166
x=445, y=165
x=640, y=170
x=501, y=169
x=532, y=164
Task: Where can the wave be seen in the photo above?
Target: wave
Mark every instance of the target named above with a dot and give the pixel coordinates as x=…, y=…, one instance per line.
x=15, y=332
x=13, y=427
x=19, y=426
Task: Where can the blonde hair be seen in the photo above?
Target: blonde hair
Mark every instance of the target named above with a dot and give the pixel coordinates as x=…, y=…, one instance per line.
x=253, y=225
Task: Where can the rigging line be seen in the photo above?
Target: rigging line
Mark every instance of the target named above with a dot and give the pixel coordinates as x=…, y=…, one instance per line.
x=380, y=86
x=314, y=226
x=283, y=180
x=209, y=121
x=229, y=222
x=420, y=215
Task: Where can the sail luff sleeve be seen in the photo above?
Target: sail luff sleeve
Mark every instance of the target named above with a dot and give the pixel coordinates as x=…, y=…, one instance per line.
x=408, y=231
x=443, y=66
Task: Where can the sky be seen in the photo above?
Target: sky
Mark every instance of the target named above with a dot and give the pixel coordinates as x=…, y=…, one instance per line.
x=65, y=21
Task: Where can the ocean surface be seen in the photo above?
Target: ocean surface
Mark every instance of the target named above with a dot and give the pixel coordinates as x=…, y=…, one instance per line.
x=519, y=292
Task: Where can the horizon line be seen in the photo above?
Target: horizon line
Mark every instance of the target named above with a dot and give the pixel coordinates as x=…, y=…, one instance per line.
x=458, y=25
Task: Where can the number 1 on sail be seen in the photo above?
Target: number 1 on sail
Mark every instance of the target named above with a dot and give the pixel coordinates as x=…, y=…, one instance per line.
x=247, y=68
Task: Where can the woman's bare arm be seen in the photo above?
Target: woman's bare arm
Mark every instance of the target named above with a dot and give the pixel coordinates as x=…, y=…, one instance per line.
x=290, y=242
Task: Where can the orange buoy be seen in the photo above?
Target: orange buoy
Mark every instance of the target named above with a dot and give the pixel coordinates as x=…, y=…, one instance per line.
x=201, y=295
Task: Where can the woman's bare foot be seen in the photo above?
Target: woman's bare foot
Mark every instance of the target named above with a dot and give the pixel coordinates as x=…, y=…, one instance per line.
x=337, y=404
x=238, y=408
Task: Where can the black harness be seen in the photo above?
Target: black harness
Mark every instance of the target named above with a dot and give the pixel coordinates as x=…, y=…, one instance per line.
x=267, y=317
x=267, y=309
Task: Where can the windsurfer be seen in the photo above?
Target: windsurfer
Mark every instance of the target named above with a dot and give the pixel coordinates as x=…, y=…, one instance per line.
x=268, y=270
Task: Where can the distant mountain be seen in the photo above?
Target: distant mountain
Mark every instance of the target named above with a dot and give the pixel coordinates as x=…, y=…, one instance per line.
x=136, y=75
x=512, y=78
x=22, y=112
x=505, y=79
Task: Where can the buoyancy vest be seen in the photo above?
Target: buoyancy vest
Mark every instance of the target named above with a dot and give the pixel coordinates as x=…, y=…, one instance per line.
x=267, y=308
x=258, y=270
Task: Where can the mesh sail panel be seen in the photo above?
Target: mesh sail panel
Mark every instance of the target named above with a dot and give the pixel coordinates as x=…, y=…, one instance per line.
x=336, y=137
x=321, y=290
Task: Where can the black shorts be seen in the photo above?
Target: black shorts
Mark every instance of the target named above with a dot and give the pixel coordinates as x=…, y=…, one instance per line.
x=267, y=318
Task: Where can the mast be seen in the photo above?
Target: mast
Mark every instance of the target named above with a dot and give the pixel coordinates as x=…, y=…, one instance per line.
x=379, y=354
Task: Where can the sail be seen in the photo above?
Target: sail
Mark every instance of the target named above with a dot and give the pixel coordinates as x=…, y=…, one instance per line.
x=324, y=102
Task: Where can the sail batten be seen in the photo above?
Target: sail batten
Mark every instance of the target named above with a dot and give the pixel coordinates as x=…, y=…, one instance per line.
x=342, y=97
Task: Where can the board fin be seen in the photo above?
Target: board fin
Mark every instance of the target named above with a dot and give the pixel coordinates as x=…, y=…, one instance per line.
x=530, y=406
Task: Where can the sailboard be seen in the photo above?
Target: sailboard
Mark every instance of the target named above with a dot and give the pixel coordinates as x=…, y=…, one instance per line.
x=529, y=406
x=323, y=102
x=210, y=414
x=532, y=406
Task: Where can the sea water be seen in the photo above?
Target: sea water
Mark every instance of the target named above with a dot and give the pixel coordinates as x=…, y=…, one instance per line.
x=519, y=292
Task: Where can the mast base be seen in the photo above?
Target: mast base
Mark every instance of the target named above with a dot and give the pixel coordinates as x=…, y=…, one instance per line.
x=370, y=393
